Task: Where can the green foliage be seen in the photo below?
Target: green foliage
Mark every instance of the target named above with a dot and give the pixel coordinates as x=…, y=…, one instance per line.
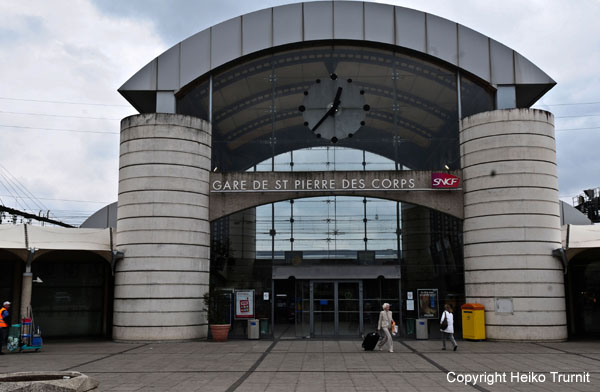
x=217, y=303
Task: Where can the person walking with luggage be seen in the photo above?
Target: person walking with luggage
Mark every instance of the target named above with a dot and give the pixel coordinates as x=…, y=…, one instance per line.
x=447, y=327
x=385, y=324
x=4, y=321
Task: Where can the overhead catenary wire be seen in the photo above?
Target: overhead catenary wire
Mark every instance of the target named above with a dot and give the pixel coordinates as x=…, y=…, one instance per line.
x=23, y=191
x=22, y=187
x=56, y=129
x=6, y=185
x=59, y=115
x=576, y=129
x=65, y=102
x=66, y=215
x=2, y=201
x=70, y=200
x=569, y=104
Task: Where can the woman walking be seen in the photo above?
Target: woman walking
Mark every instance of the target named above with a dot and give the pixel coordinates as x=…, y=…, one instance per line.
x=448, y=332
x=385, y=322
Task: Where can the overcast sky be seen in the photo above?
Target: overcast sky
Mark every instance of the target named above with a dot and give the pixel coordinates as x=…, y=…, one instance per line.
x=61, y=63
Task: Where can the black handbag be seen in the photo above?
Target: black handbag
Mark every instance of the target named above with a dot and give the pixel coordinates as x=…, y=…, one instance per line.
x=444, y=323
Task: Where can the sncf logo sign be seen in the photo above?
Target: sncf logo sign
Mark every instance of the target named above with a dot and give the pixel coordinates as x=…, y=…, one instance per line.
x=444, y=180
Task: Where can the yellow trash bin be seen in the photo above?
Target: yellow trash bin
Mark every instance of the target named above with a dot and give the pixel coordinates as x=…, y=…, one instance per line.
x=473, y=321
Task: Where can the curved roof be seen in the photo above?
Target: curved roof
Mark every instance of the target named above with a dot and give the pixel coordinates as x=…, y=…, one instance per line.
x=421, y=32
x=103, y=218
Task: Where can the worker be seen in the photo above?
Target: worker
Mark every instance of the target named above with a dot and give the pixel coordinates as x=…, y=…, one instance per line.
x=4, y=320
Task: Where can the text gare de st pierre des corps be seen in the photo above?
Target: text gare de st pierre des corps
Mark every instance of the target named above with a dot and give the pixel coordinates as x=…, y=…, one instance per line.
x=312, y=184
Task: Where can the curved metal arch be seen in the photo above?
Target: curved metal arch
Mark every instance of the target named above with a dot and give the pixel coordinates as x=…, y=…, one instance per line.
x=45, y=253
x=225, y=204
x=406, y=149
x=297, y=88
x=19, y=254
x=267, y=119
x=338, y=53
x=231, y=137
x=441, y=39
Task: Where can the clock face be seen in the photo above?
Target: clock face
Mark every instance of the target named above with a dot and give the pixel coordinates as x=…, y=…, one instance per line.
x=334, y=108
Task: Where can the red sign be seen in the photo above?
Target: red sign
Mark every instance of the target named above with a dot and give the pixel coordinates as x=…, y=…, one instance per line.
x=444, y=180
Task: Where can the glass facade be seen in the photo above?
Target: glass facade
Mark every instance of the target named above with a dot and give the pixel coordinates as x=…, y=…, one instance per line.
x=335, y=108
x=317, y=232
x=475, y=98
x=329, y=227
x=260, y=108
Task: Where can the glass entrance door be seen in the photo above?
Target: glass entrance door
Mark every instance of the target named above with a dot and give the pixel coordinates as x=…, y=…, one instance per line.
x=349, y=308
x=323, y=308
x=336, y=308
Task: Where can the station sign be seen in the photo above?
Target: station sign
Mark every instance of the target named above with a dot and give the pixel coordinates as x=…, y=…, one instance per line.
x=325, y=181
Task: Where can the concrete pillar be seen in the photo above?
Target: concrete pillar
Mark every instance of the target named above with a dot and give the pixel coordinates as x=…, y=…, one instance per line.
x=162, y=228
x=26, y=287
x=512, y=224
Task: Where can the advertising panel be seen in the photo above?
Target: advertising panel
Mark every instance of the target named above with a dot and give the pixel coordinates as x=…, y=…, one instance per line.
x=428, y=303
x=244, y=304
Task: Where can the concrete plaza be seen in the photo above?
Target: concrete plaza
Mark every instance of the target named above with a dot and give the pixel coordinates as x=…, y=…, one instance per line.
x=315, y=365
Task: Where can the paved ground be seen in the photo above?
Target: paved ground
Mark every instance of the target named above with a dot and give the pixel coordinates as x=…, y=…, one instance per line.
x=314, y=365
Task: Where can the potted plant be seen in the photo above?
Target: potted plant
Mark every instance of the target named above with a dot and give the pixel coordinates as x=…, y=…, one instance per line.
x=217, y=304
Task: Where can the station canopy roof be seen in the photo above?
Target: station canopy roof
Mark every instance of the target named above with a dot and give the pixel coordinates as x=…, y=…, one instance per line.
x=19, y=239
x=417, y=32
x=579, y=238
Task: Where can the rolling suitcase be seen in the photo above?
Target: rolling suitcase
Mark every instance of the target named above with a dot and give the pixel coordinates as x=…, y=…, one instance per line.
x=370, y=341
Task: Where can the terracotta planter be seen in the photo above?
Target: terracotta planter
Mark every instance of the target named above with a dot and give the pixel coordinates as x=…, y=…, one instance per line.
x=219, y=332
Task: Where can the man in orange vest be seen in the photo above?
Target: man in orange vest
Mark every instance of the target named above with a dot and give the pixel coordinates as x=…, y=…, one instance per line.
x=4, y=320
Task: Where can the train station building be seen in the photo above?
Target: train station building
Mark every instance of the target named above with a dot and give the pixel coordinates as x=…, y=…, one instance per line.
x=311, y=162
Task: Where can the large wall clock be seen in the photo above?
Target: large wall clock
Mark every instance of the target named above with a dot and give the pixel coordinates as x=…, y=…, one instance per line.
x=334, y=108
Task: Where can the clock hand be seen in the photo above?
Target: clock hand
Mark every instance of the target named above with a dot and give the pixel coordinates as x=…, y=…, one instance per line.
x=336, y=100
x=329, y=112
x=332, y=110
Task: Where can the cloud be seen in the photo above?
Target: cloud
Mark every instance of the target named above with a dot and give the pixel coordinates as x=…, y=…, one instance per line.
x=176, y=20
x=83, y=50
x=67, y=51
